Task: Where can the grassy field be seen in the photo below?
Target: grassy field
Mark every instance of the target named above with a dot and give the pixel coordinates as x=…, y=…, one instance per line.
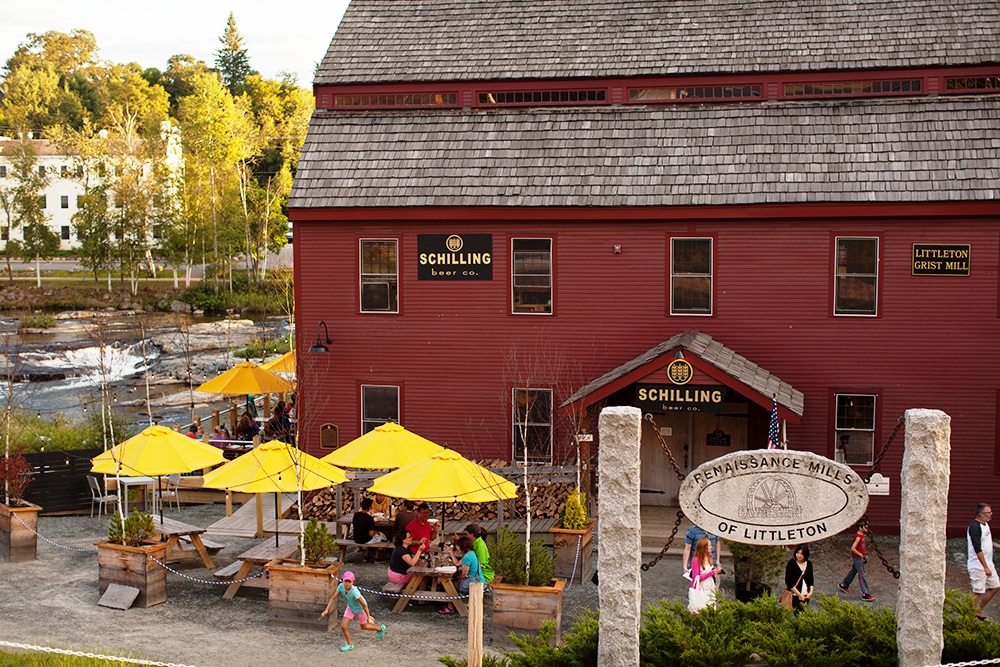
x=54, y=660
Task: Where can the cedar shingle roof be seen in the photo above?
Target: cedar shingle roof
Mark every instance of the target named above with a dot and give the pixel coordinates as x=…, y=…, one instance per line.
x=715, y=353
x=446, y=40
x=900, y=150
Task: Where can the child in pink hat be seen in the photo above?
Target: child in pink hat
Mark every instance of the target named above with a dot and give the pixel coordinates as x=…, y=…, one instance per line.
x=357, y=607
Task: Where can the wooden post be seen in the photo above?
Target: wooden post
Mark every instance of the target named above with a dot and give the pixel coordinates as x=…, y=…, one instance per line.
x=260, y=516
x=475, y=658
x=215, y=420
x=267, y=405
x=233, y=416
x=229, y=502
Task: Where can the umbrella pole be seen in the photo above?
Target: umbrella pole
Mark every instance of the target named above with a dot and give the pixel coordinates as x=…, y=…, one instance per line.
x=276, y=518
x=159, y=492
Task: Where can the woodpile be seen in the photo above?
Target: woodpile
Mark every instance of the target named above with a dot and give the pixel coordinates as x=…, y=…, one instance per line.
x=547, y=500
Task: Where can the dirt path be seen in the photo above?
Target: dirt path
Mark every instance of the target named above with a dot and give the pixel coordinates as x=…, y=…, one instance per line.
x=53, y=602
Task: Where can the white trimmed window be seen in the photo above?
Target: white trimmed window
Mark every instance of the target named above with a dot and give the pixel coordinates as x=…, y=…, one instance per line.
x=855, y=429
x=531, y=276
x=379, y=404
x=690, y=276
x=532, y=424
x=856, y=276
x=379, y=280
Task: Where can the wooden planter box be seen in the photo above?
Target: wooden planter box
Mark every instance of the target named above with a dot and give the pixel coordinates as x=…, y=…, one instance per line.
x=135, y=567
x=527, y=607
x=564, y=543
x=297, y=595
x=18, y=541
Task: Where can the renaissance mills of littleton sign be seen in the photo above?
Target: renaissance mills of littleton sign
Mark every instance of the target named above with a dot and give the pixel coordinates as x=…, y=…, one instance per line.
x=773, y=496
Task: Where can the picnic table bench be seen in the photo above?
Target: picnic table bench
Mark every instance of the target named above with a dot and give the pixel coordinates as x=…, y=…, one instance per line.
x=256, y=556
x=177, y=534
x=438, y=578
x=346, y=544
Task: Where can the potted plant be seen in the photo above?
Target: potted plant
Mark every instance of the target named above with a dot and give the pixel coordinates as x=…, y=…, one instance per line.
x=520, y=601
x=132, y=557
x=18, y=517
x=300, y=588
x=755, y=568
x=571, y=542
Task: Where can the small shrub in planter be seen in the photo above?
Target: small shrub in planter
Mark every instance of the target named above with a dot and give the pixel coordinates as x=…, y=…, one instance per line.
x=134, y=531
x=15, y=473
x=317, y=542
x=508, y=555
x=130, y=558
x=756, y=567
x=574, y=514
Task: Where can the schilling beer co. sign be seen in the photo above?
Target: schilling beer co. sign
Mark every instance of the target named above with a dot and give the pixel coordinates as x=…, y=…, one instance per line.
x=773, y=496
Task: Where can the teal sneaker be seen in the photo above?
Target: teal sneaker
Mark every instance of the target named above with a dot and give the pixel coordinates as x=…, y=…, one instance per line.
x=347, y=647
x=381, y=633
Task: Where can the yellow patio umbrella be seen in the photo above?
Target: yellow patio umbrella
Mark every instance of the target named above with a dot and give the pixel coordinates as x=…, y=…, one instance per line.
x=386, y=446
x=155, y=452
x=445, y=476
x=283, y=364
x=246, y=378
x=274, y=467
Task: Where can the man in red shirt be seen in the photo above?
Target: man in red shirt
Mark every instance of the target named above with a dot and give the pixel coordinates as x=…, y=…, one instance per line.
x=420, y=529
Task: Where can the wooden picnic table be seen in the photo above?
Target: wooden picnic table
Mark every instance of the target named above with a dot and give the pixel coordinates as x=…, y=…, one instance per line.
x=346, y=522
x=437, y=578
x=257, y=556
x=177, y=534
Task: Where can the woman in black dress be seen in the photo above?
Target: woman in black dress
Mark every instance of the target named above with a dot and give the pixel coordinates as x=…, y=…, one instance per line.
x=799, y=578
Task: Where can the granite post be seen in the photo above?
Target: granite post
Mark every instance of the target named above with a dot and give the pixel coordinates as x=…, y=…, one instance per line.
x=923, y=517
x=619, y=538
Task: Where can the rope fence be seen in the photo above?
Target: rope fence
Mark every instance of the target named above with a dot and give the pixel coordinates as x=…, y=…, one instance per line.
x=84, y=654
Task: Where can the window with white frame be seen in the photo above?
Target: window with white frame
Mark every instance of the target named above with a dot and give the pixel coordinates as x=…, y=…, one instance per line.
x=532, y=424
x=379, y=276
x=855, y=429
x=379, y=404
x=531, y=276
x=856, y=279
x=690, y=276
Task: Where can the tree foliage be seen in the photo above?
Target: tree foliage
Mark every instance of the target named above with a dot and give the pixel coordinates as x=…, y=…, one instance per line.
x=231, y=59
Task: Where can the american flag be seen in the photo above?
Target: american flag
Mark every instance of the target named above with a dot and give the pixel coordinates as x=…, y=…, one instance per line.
x=772, y=429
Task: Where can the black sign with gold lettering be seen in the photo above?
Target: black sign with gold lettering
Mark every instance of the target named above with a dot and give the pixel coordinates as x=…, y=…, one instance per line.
x=672, y=398
x=941, y=259
x=454, y=257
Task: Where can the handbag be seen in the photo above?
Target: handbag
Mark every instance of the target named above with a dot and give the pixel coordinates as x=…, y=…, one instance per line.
x=701, y=594
x=786, y=595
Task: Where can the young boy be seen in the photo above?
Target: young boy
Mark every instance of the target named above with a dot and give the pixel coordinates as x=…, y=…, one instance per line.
x=858, y=550
x=357, y=607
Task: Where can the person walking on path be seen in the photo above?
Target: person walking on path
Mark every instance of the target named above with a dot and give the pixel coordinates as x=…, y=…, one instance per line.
x=799, y=578
x=982, y=573
x=691, y=537
x=858, y=551
x=357, y=607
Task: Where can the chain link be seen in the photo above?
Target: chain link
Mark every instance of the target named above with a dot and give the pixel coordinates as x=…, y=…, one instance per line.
x=55, y=544
x=969, y=663
x=663, y=443
x=885, y=448
x=95, y=656
x=663, y=551
x=878, y=552
x=205, y=581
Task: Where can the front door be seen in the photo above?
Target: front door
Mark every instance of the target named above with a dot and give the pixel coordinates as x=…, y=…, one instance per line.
x=658, y=480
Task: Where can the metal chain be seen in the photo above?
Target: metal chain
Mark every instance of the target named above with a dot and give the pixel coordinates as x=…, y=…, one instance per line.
x=55, y=544
x=94, y=656
x=969, y=663
x=206, y=581
x=663, y=443
x=436, y=598
x=885, y=448
x=576, y=559
x=878, y=552
x=663, y=551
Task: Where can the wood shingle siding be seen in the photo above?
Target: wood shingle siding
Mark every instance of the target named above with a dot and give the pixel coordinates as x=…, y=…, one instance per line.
x=843, y=151
x=449, y=40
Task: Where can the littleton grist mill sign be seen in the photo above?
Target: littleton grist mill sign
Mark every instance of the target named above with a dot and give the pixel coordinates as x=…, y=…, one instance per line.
x=773, y=496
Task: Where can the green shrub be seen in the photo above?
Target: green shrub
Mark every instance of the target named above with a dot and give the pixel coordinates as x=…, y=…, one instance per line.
x=507, y=556
x=260, y=347
x=40, y=321
x=965, y=638
x=137, y=528
x=317, y=542
x=574, y=514
x=36, y=433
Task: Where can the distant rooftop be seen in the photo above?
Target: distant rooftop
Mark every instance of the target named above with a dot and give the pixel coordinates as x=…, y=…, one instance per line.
x=382, y=41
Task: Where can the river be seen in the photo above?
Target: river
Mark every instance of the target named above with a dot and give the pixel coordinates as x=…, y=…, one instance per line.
x=61, y=371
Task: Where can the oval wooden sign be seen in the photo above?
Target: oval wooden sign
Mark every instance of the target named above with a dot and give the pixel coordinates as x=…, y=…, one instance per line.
x=773, y=496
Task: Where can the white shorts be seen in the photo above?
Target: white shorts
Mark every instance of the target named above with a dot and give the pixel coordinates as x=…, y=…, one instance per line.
x=980, y=582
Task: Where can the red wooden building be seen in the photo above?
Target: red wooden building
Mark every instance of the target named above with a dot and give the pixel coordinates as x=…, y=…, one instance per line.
x=509, y=215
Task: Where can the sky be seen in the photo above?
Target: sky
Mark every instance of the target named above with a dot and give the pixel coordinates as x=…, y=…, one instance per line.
x=291, y=35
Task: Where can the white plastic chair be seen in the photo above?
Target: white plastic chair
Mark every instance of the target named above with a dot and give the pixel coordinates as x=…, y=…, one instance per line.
x=170, y=492
x=98, y=496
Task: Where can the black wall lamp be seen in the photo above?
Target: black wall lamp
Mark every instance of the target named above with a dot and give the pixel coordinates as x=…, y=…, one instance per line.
x=319, y=346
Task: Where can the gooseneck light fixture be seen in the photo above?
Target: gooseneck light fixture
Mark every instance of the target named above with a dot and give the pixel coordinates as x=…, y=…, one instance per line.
x=319, y=346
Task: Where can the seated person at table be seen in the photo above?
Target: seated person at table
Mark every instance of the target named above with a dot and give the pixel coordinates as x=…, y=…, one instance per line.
x=382, y=505
x=478, y=534
x=403, y=518
x=246, y=429
x=364, y=528
x=402, y=560
x=469, y=570
x=192, y=432
x=278, y=427
x=420, y=529
x=218, y=437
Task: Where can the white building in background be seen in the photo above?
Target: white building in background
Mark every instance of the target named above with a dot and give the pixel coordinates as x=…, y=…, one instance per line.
x=65, y=183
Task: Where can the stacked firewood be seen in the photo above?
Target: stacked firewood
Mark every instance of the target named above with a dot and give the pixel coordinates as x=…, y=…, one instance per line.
x=547, y=500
